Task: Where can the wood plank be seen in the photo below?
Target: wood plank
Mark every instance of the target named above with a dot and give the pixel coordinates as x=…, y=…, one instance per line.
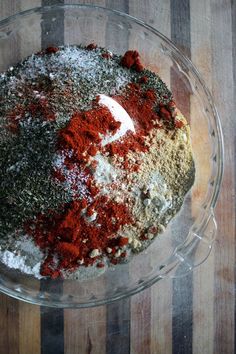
x=223, y=92
x=52, y=328
x=156, y=13
x=29, y=4
x=85, y=330
x=151, y=328
x=120, y=5
x=118, y=327
x=140, y=326
x=8, y=8
x=9, y=325
x=182, y=291
x=87, y=2
x=203, y=277
x=84, y=31
x=29, y=329
x=141, y=323
x=9, y=54
x=161, y=320
x=31, y=39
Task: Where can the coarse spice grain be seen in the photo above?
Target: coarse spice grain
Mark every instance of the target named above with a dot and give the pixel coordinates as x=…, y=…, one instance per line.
x=95, y=160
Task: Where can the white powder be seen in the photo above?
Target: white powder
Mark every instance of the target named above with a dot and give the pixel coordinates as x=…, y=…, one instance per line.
x=26, y=257
x=59, y=160
x=75, y=179
x=78, y=58
x=105, y=172
x=75, y=182
x=76, y=62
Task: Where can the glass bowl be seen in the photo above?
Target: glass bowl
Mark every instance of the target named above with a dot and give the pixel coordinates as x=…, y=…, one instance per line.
x=187, y=241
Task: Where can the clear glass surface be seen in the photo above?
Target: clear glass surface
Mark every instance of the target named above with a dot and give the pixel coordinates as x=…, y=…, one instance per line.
x=187, y=241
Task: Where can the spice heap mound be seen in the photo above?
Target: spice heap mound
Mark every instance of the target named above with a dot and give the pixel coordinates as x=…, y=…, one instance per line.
x=95, y=160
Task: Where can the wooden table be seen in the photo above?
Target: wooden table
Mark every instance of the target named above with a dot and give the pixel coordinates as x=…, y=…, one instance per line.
x=159, y=320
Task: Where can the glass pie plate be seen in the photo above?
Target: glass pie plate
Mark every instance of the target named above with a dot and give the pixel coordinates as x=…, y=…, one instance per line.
x=188, y=239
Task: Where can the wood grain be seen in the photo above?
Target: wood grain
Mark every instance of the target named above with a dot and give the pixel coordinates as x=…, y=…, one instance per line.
x=9, y=325
x=222, y=87
x=182, y=290
x=141, y=323
x=161, y=318
x=144, y=323
x=29, y=329
x=203, y=306
x=29, y=4
x=89, y=331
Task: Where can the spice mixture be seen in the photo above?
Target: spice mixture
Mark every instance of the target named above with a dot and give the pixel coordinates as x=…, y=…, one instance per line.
x=95, y=159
